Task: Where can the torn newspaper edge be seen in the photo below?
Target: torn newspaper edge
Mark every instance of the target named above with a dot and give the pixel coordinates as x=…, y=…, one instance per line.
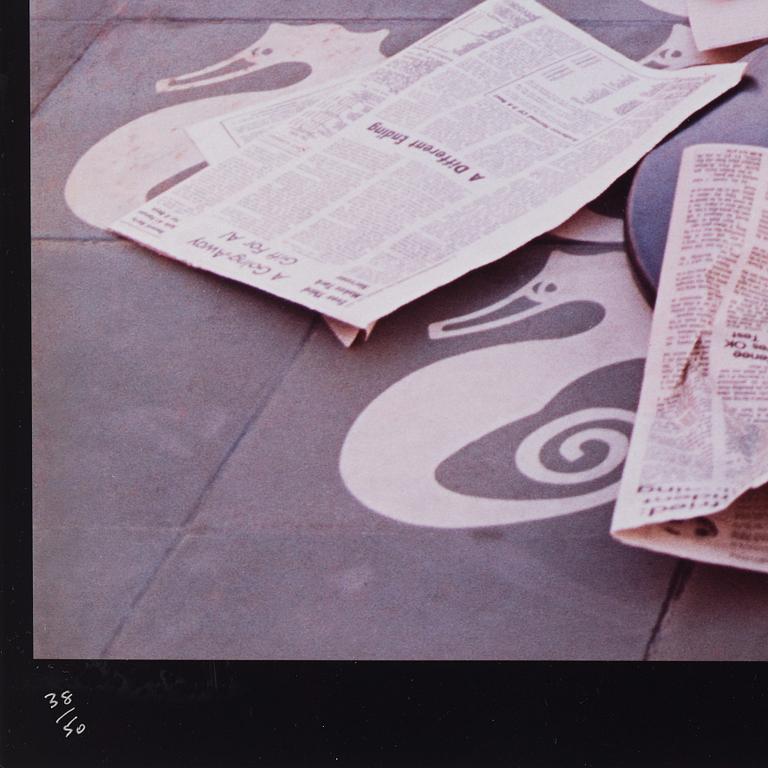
x=347, y=334
x=718, y=23
x=694, y=483
x=487, y=133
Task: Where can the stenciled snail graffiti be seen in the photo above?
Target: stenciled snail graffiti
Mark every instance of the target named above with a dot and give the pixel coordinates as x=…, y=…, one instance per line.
x=399, y=456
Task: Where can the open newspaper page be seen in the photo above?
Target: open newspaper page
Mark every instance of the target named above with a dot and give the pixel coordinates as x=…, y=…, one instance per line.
x=717, y=23
x=491, y=131
x=695, y=478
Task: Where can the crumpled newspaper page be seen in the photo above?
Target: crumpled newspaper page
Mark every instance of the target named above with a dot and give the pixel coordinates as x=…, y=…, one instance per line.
x=695, y=479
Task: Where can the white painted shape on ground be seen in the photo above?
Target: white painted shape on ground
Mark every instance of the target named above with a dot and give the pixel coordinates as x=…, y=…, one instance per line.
x=393, y=449
x=542, y=293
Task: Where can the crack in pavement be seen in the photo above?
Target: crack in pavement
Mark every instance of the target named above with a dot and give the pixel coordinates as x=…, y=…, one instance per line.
x=677, y=583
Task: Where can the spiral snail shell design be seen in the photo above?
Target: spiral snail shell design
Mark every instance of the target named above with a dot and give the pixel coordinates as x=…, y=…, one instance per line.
x=528, y=456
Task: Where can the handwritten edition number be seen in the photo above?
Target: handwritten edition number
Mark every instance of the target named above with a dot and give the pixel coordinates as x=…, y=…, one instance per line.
x=66, y=699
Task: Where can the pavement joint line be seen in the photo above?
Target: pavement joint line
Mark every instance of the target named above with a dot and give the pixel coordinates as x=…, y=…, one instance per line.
x=264, y=398
x=106, y=25
x=677, y=583
x=268, y=390
x=167, y=552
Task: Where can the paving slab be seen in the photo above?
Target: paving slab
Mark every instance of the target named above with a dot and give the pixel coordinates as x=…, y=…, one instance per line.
x=280, y=539
x=408, y=594
x=144, y=375
x=85, y=580
x=281, y=497
x=721, y=613
x=49, y=64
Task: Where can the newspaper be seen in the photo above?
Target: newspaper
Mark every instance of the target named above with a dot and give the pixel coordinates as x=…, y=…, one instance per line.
x=717, y=23
x=694, y=482
x=487, y=133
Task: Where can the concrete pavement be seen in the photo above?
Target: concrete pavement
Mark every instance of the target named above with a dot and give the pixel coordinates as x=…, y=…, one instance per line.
x=188, y=501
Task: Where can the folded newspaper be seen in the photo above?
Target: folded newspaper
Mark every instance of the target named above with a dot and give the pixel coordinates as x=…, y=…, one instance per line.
x=695, y=482
x=361, y=197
